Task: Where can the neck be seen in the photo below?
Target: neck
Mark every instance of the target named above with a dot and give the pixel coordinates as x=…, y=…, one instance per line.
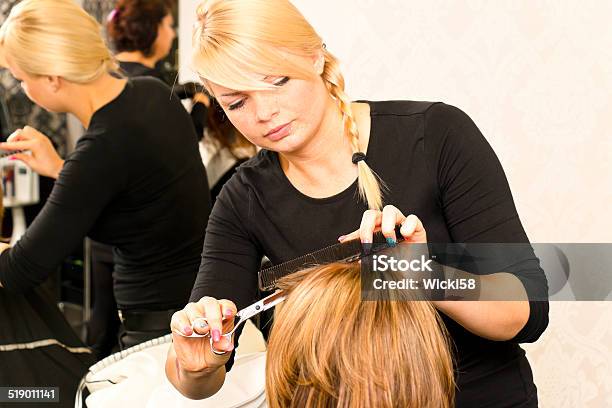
x=137, y=56
x=88, y=98
x=324, y=165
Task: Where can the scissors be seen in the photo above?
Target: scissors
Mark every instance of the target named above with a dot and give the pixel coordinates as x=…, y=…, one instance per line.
x=243, y=315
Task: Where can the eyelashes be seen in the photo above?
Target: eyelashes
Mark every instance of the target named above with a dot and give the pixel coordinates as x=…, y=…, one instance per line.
x=237, y=105
x=282, y=81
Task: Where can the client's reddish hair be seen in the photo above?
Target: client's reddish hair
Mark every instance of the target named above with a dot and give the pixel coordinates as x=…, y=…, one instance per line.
x=328, y=348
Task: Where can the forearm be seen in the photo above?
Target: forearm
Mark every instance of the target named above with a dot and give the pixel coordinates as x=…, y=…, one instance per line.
x=193, y=385
x=57, y=170
x=494, y=316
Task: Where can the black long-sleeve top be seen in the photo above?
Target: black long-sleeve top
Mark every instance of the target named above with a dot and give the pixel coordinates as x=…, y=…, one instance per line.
x=199, y=111
x=437, y=166
x=134, y=181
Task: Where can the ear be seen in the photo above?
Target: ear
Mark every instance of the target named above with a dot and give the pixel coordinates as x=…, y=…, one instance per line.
x=319, y=63
x=53, y=82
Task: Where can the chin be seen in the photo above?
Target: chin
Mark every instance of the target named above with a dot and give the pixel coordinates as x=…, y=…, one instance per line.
x=289, y=144
x=51, y=109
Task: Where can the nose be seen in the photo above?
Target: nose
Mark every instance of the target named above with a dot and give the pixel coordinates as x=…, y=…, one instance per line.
x=266, y=106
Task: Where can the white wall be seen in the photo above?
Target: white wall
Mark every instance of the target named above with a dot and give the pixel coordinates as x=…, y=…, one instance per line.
x=536, y=77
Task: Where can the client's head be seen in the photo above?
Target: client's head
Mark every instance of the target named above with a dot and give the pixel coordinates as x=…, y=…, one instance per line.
x=329, y=348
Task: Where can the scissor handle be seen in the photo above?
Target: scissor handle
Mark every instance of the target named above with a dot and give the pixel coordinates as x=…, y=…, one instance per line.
x=228, y=334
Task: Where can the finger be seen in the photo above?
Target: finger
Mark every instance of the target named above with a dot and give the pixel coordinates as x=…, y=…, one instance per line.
x=225, y=343
x=181, y=323
x=212, y=312
x=17, y=145
x=349, y=237
x=14, y=136
x=196, y=315
x=391, y=216
x=370, y=220
x=411, y=227
x=27, y=133
x=228, y=309
x=229, y=312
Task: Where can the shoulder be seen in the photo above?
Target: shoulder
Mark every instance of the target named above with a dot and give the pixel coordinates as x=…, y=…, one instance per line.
x=441, y=122
x=433, y=123
x=400, y=108
x=262, y=165
x=430, y=111
x=258, y=173
x=148, y=84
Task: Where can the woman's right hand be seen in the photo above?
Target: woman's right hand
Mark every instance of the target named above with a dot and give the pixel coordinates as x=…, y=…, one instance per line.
x=208, y=315
x=43, y=159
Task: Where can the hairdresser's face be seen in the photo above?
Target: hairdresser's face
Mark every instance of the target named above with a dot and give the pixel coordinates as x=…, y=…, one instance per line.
x=40, y=89
x=283, y=119
x=165, y=36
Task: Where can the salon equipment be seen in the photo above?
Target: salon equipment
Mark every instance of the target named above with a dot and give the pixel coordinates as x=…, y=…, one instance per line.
x=20, y=188
x=348, y=251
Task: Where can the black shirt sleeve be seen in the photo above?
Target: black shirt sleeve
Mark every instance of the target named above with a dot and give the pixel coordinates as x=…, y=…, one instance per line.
x=72, y=208
x=477, y=203
x=230, y=258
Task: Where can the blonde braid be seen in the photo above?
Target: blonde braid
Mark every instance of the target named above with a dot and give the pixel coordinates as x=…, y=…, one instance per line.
x=371, y=186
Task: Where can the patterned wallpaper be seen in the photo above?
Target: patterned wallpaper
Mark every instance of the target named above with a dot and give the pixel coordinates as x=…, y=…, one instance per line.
x=536, y=77
x=98, y=8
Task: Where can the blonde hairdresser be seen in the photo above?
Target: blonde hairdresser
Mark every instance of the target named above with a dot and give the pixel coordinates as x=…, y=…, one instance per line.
x=331, y=169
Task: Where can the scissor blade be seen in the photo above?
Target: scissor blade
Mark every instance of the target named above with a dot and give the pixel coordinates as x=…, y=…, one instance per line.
x=261, y=305
x=273, y=300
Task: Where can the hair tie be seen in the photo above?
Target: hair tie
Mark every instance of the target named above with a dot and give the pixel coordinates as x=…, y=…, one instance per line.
x=357, y=157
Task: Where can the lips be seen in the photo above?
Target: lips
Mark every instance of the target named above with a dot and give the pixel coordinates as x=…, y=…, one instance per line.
x=276, y=129
x=279, y=132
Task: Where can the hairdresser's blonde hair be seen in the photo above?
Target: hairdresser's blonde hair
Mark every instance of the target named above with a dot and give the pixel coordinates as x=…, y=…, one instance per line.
x=234, y=39
x=56, y=38
x=328, y=348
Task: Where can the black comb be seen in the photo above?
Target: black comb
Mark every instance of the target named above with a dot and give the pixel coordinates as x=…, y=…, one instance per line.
x=349, y=251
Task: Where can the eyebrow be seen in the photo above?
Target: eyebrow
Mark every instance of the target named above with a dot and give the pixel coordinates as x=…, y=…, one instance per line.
x=232, y=93
x=240, y=93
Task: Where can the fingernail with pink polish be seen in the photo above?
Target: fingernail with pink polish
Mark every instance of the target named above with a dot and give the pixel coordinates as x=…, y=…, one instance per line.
x=341, y=238
x=216, y=335
x=187, y=330
x=229, y=313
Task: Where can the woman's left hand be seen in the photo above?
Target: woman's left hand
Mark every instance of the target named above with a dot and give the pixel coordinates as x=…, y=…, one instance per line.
x=374, y=220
